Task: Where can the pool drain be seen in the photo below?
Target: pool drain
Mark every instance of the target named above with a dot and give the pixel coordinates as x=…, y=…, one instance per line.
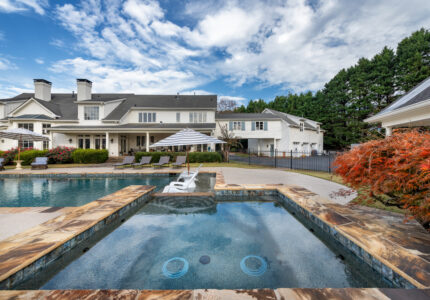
x=259, y=265
x=175, y=264
x=204, y=260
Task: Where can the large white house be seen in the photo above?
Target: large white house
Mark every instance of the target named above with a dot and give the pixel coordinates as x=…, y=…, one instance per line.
x=410, y=110
x=272, y=130
x=128, y=122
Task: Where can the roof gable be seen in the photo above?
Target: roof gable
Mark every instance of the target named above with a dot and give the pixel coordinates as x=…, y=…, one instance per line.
x=418, y=94
x=26, y=109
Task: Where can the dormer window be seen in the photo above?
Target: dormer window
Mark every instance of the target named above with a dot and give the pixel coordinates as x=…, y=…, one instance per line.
x=91, y=113
x=147, y=117
x=318, y=129
x=302, y=126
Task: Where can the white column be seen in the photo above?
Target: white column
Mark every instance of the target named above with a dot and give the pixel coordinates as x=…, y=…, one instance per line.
x=388, y=131
x=258, y=147
x=147, y=141
x=108, y=143
x=51, y=140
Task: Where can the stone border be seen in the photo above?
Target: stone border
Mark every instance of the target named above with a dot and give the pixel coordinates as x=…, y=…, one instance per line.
x=29, y=252
x=212, y=294
x=311, y=207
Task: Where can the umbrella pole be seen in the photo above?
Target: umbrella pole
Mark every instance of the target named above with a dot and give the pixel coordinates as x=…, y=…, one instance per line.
x=188, y=161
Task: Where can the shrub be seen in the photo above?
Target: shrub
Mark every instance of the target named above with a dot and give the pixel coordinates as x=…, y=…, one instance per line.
x=9, y=155
x=194, y=157
x=89, y=156
x=395, y=170
x=28, y=156
x=60, y=155
x=200, y=157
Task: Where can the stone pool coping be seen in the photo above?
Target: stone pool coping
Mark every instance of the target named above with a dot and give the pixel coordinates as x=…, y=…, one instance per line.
x=212, y=294
x=28, y=252
x=399, y=251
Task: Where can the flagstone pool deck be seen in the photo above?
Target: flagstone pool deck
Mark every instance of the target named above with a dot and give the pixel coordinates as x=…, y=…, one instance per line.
x=398, y=250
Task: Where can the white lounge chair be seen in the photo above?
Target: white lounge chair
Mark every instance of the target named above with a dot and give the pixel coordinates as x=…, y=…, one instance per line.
x=185, y=174
x=187, y=185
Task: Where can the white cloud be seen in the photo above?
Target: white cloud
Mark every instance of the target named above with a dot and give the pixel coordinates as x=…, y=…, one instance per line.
x=132, y=46
x=232, y=98
x=5, y=64
x=12, y=6
x=39, y=61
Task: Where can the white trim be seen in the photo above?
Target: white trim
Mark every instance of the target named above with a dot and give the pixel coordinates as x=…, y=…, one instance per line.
x=11, y=113
x=412, y=107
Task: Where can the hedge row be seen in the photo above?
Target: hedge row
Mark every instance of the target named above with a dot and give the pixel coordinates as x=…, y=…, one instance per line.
x=57, y=155
x=194, y=157
x=89, y=156
x=28, y=156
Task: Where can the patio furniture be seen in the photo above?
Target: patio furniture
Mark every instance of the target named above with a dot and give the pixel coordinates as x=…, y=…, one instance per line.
x=145, y=161
x=164, y=161
x=128, y=161
x=187, y=186
x=1, y=163
x=39, y=163
x=180, y=162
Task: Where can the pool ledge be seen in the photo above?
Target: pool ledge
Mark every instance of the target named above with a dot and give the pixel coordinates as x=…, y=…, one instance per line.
x=266, y=294
x=28, y=252
x=399, y=251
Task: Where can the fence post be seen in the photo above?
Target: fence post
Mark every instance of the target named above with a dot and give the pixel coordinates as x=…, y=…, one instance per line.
x=291, y=160
x=329, y=162
x=275, y=156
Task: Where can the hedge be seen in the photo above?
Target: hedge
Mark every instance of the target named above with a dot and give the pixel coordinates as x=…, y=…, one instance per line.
x=88, y=156
x=194, y=157
x=28, y=156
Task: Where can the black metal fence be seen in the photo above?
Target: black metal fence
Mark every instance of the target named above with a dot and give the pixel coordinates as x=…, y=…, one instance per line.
x=284, y=159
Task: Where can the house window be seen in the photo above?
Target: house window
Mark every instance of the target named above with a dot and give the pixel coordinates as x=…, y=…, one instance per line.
x=147, y=117
x=100, y=142
x=237, y=125
x=26, y=144
x=259, y=125
x=178, y=117
x=45, y=145
x=302, y=126
x=28, y=126
x=45, y=128
x=91, y=112
x=152, y=139
x=198, y=117
x=84, y=142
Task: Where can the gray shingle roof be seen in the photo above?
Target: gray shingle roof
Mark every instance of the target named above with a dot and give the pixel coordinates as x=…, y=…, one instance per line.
x=64, y=106
x=164, y=101
x=245, y=116
x=419, y=93
x=141, y=126
x=38, y=117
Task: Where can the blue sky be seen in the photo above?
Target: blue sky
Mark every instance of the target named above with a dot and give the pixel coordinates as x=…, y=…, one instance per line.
x=239, y=50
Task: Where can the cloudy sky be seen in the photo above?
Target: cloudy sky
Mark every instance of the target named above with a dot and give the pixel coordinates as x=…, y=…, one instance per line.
x=238, y=49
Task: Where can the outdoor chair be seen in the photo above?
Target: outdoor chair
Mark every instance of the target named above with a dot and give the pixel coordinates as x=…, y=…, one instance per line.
x=164, y=161
x=145, y=161
x=1, y=163
x=128, y=161
x=39, y=163
x=180, y=162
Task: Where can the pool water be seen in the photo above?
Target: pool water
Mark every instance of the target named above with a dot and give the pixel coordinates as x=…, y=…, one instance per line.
x=177, y=243
x=62, y=192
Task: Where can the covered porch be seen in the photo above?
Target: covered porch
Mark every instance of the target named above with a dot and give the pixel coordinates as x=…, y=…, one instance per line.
x=120, y=143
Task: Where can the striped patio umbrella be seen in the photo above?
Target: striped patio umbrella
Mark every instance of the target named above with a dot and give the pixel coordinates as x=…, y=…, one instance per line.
x=186, y=137
x=22, y=134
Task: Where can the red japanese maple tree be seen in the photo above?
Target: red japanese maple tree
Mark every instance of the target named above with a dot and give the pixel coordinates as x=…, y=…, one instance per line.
x=395, y=170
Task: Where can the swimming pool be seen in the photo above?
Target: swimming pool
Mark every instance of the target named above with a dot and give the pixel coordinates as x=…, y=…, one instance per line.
x=183, y=243
x=70, y=191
